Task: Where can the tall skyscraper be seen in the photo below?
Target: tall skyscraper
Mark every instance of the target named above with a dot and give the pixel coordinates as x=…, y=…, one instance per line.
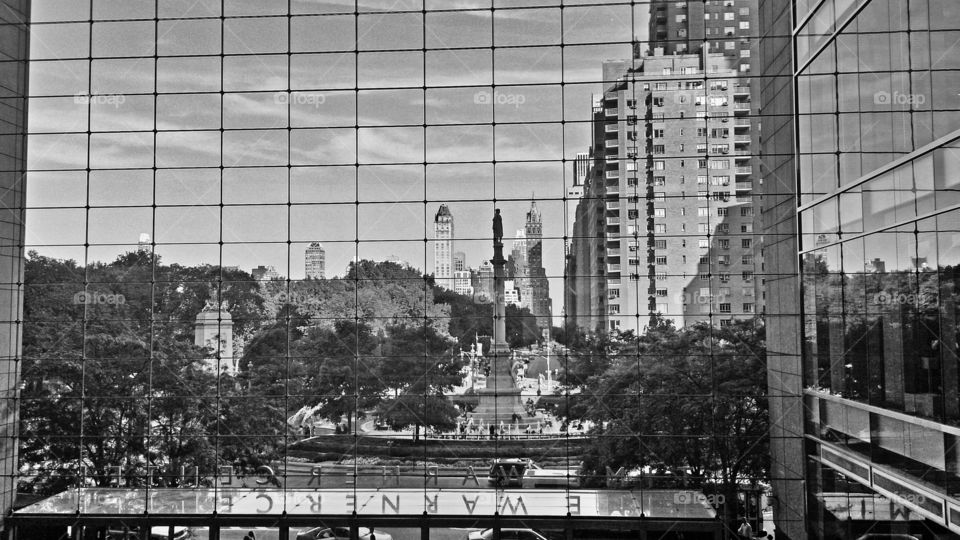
x=675, y=238
x=535, y=288
x=862, y=148
x=517, y=260
x=443, y=247
x=315, y=261
x=459, y=261
x=581, y=169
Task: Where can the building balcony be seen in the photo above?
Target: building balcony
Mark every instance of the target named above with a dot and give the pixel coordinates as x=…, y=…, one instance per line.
x=741, y=107
x=742, y=153
x=742, y=138
x=613, y=205
x=613, y=268
x=744, y=170
x=612, y=143
x=613, y=252
x=611, y=112
x=744, y=186
x=613, y=190
x=611, y=128
x=742, y=122
x=613, y=221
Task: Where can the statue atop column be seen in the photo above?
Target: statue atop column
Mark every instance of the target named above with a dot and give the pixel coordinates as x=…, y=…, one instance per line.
x=500, y=400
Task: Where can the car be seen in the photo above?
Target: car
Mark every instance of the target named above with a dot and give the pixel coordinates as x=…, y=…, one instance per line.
x=506, y=472
x=507, y=534
x=156, y=533
x=523, y=472
x=536, y=476
x=340, y=533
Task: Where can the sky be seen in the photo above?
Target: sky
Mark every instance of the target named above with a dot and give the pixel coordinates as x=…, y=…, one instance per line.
x=304, y=185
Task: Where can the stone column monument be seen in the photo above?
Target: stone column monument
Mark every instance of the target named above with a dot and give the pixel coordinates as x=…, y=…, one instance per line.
x=500, y=400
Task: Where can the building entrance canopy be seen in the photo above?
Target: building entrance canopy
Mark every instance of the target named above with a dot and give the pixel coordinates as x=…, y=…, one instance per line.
x=668, y=504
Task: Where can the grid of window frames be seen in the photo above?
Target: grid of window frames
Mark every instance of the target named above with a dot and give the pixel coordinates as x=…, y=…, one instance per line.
x=880, y=234
x=260, y=237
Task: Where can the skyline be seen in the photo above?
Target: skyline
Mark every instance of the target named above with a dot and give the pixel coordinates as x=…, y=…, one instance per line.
x=411, y=125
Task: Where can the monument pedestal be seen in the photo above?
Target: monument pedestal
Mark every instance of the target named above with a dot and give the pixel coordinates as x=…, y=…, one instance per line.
x=500, y=400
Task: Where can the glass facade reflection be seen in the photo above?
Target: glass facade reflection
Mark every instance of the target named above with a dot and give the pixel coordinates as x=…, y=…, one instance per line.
x=265, y=285
x=876, y=165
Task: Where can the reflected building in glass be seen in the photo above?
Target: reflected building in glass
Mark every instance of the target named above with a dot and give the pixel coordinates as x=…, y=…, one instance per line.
x=669, y=205
x=862, y=153
x=315, y=261
x=714, y=26
x=197, y=166
x=443, y=256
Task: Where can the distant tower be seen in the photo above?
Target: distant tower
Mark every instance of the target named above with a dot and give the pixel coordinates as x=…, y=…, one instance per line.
x=459, y=261
x=443, y=247
x=144, y=243
x=315, y=261
x=214, y=330
x=581, y=168
x=535, y=291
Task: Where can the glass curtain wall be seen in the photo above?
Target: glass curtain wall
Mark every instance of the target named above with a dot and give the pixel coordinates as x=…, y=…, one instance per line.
x=262, y=252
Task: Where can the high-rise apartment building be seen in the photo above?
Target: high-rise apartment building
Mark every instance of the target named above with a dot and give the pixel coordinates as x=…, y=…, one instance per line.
x=669, y=206
x=862, y=148
x=315, y=261
x=443, y=247
x=723, y=26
